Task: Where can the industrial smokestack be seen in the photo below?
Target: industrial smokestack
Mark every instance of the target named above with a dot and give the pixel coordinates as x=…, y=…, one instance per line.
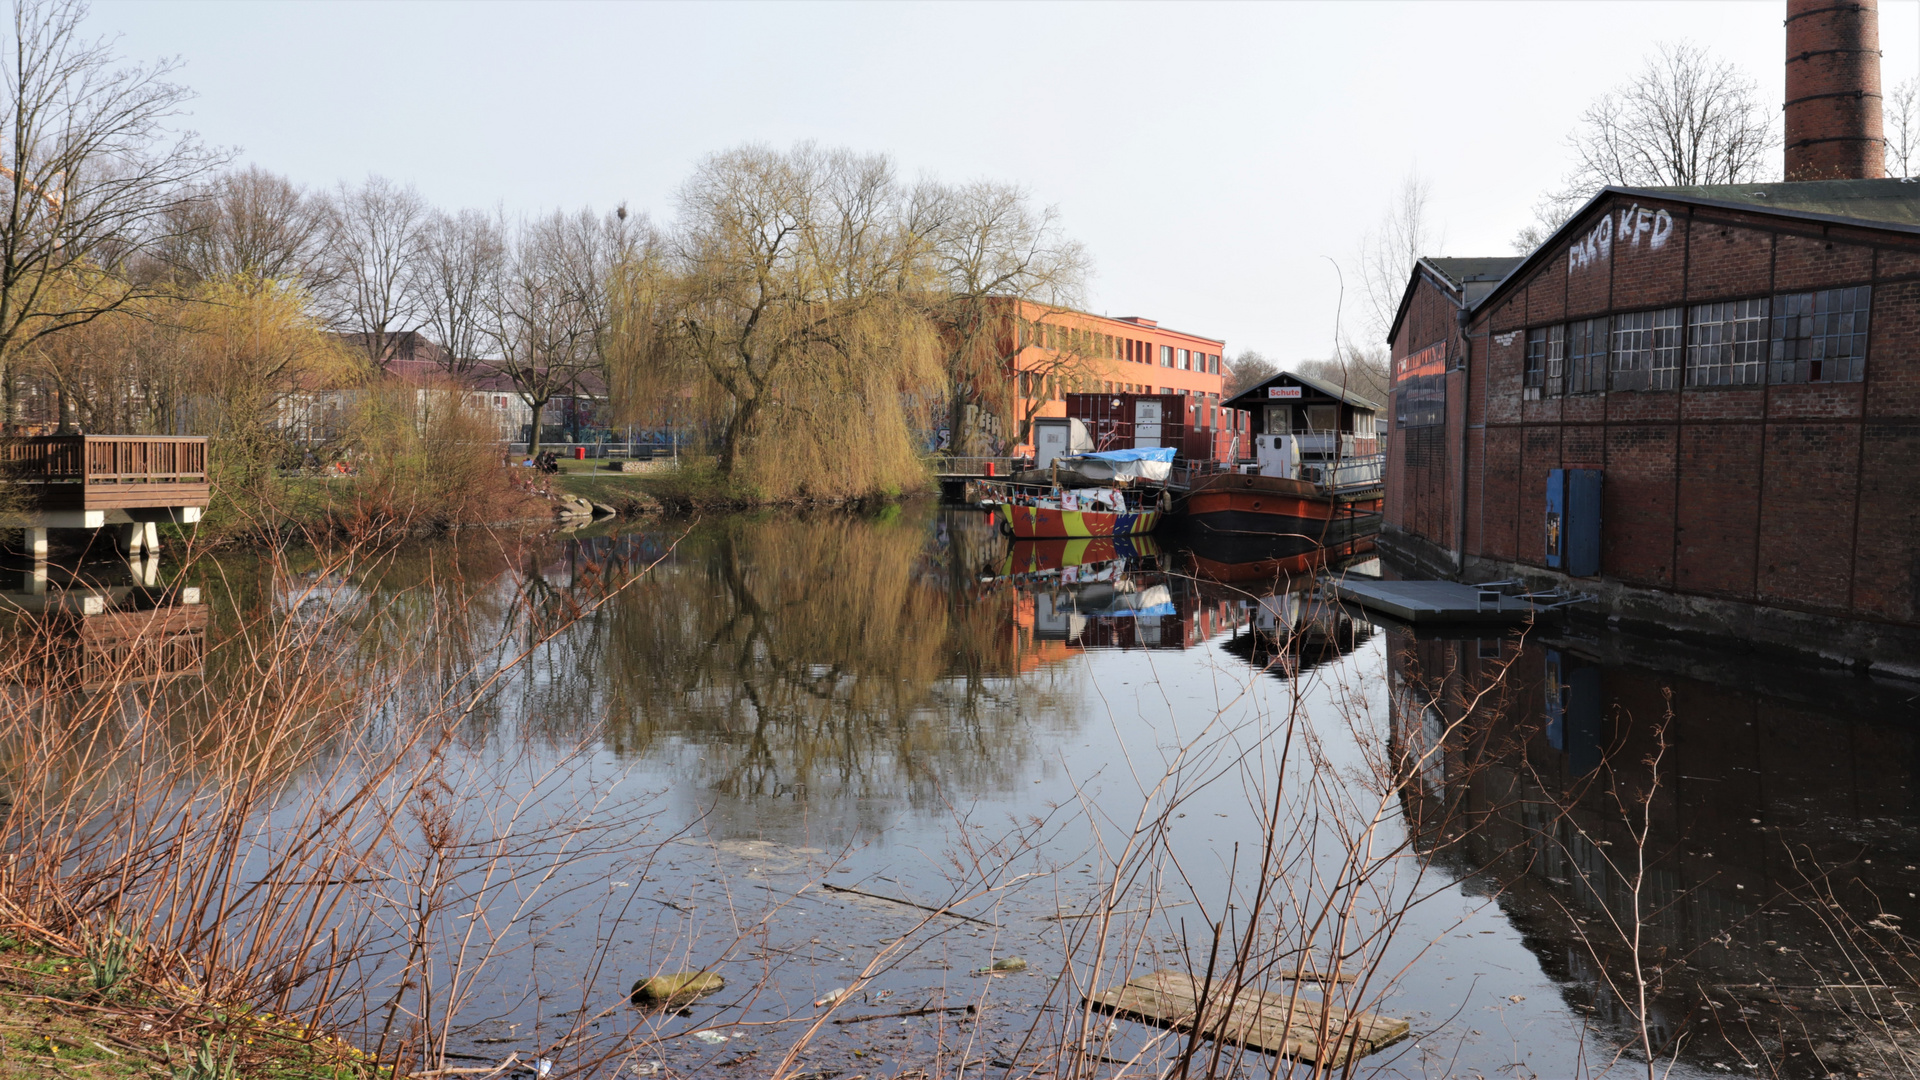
x=1833, y=91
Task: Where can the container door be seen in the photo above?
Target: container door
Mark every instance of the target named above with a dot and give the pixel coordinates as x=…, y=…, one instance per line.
x=1556, y=518
x=1050, y=442
x=1146, y=424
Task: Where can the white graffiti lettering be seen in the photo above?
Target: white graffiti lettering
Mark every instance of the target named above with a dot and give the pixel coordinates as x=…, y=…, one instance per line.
x=1508, y=338
x=1633, y=223
x=1596, y=246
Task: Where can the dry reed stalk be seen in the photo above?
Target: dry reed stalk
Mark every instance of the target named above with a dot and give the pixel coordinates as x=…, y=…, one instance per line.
x=259, y=827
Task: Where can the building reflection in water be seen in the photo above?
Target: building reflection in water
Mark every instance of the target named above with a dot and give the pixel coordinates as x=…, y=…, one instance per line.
x=1752, y=829
x=1135, y=593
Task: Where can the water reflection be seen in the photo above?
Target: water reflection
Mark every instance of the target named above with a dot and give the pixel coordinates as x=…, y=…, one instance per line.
x=1751, y=830
x=116, y=620
x=1107, y=593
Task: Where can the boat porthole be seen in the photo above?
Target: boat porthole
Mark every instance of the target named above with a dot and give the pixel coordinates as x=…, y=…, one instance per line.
x=1248, y=482
x=1256, y=504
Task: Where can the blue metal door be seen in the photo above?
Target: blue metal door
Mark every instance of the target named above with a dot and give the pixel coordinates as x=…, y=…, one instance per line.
x=1583, y=522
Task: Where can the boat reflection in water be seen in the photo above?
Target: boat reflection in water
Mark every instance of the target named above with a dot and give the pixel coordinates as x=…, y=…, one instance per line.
x=1753, y=829
x=1108, y=592
x=1131, y=593
x=1291, y=625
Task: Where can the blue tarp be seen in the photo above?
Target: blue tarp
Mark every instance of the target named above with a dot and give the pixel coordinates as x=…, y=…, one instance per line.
x=1159, y=453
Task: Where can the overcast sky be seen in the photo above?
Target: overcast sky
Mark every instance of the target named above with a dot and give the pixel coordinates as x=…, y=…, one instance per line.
x=1212, y=158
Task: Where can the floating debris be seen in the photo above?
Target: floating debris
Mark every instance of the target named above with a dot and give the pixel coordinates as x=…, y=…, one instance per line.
x=676, y=989
x=710, y=1037
x=830, y=997
x=1003, y=966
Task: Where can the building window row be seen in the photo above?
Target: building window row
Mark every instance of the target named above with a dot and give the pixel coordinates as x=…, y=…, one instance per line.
x=1809, y=337
x=1087, y=343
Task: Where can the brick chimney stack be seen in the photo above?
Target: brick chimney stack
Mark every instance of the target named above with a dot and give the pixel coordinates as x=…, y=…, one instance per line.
x=1833, y=91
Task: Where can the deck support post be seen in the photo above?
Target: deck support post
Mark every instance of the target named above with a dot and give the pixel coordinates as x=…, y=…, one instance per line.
x=35, y=541
x=139, y=537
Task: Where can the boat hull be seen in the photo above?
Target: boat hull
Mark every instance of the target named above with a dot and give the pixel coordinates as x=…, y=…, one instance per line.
x=1243, y=505
x=1043, y=523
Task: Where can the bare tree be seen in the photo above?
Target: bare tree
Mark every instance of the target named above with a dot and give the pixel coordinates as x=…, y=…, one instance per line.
x=376, y=234
x=1248, y=370
x=1357, y=369
x=1062, y=360
x=1387, y=252
x=987, y=243
x=547, y=310
x=91, y=170
x=1688, y=118
x=462, y=258
x=248, y=224
x=1902, y=112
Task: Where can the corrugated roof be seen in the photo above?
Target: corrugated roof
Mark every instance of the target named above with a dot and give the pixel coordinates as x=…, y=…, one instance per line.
x=1878, y=202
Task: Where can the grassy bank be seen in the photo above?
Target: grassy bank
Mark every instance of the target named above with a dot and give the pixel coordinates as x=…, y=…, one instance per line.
x=56, y=1020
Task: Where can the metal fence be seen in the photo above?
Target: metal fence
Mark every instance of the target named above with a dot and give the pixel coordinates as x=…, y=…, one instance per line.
x=597, y=451
x=972, y=466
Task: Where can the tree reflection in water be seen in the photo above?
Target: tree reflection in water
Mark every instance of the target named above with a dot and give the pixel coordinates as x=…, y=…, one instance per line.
x=826, y=660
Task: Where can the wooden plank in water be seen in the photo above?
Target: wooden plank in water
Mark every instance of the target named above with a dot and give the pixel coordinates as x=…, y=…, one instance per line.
x=1258, y=1020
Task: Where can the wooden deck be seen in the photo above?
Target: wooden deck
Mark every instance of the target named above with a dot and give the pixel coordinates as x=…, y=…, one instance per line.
x=107, y=472
x=1262, y=1021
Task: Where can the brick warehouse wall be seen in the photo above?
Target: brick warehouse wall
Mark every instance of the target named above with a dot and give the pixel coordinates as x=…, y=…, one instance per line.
x=1423, y=464
x=1802, y=498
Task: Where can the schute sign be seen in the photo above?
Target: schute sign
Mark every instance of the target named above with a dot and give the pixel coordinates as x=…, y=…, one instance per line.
x=1283, y=391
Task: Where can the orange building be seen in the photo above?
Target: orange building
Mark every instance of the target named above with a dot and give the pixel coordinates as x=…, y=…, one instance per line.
x=1056, y=352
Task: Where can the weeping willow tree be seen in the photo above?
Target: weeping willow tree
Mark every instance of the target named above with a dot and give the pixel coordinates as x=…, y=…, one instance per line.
x=786, y=309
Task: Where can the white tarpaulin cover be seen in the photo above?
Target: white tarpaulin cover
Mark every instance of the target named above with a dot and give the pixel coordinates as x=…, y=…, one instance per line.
x=1153, y=464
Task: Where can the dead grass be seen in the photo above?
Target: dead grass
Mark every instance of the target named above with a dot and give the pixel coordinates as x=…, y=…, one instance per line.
x=52, y=1023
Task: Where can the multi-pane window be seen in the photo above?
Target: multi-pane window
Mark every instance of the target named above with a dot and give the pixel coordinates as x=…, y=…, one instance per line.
x=1646, y=350
x=1545, y=374
x=1727, y=343
x=1820, y=336
x=1422, y=401
x=1587, y=356
x=1809, y=337
x=1180, y=358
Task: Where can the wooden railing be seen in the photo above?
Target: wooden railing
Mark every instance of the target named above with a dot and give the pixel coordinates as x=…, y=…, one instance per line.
x=106, y=459
x=96, y=471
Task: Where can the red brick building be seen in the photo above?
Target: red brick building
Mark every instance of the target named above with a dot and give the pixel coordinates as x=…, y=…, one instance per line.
x=1741, y=364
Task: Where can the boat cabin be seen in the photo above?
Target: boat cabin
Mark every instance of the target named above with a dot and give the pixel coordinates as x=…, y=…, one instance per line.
x=1325, y=420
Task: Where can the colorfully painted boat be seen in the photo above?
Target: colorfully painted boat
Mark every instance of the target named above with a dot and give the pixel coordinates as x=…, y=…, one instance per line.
x=1029, y=557
x=1113, y=501
x=1035, y=522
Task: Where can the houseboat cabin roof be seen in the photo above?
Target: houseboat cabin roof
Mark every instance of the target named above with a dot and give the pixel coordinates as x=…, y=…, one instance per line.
x=1312, y=390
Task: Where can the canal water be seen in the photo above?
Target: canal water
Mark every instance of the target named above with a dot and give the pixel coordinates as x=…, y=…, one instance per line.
x=851, y=763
